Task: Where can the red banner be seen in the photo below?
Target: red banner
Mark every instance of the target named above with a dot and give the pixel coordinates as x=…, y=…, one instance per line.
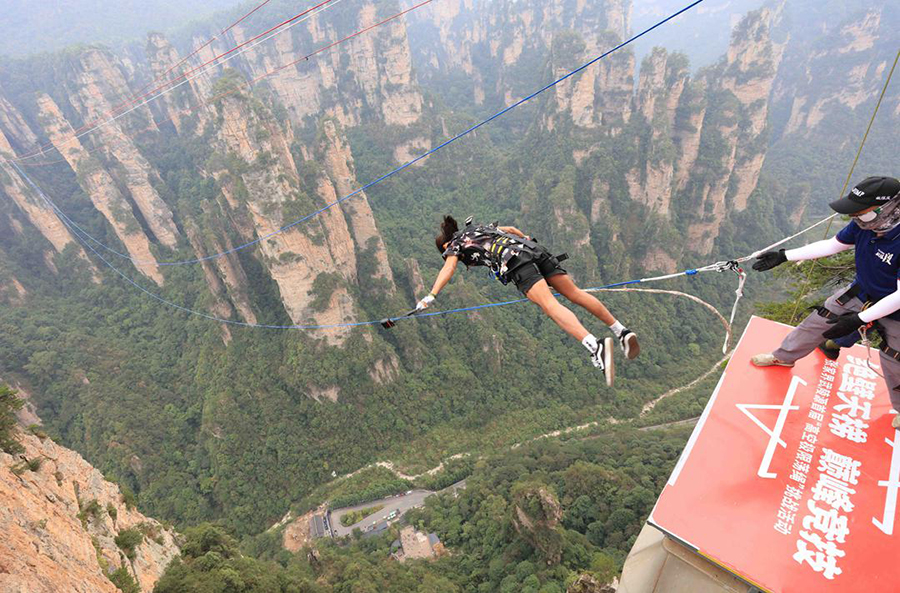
x=790, y=479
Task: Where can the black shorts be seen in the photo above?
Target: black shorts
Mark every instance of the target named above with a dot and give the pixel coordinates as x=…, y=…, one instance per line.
x=541, y=265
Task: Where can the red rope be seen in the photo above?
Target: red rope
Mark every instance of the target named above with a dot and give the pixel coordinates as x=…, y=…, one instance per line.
x=191, y=71
x=257, y=79
x=182, y=61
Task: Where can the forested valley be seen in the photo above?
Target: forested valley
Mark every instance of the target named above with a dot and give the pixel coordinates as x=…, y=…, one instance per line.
x=634, y=167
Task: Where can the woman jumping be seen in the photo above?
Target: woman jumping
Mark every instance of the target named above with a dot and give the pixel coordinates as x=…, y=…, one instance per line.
x=513, y=256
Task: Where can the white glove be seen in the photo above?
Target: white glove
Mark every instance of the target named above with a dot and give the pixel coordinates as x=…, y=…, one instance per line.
x=423, y=304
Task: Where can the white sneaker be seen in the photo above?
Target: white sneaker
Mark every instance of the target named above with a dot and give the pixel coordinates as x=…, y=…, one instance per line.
x=602, y=358
x=896, y=422
x=629, y=343
x=769, y=360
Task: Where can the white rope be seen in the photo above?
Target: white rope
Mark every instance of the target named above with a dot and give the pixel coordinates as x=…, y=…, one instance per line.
x=785, y=240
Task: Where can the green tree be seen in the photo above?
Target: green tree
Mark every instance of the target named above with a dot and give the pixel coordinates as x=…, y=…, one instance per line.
x=9, y=405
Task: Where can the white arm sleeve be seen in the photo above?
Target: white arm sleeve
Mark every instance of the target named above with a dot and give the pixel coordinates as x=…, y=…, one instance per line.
x=817, y=250
x=882, y=308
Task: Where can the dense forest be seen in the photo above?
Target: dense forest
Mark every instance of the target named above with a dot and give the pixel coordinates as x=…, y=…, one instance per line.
x=222, y=429
x=585, y=500
x=200, y=430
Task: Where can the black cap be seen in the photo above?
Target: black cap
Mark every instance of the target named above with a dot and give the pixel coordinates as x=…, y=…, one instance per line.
x=872, y=191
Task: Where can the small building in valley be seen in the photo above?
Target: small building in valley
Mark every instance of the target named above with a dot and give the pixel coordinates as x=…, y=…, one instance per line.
x=378, y=529
x=317, y=527
x=415, y=544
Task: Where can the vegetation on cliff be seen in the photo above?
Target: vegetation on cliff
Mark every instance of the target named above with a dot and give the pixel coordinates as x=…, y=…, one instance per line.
x=9, y=405
x=236, y=426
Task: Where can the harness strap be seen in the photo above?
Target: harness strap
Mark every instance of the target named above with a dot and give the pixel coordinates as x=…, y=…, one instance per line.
x=525, y=249
x=842, y=300
x=826, y=313
x=849, y=295
x=895, y=354
x=884, y=347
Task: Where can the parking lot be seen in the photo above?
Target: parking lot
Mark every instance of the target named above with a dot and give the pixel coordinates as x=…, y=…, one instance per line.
x=400, y=503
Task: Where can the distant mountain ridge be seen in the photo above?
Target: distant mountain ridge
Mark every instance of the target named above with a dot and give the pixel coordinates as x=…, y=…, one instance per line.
x=36, y=27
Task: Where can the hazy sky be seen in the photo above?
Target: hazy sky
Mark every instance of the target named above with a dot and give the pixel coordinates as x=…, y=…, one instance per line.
x=32, y=26
x=702, y=32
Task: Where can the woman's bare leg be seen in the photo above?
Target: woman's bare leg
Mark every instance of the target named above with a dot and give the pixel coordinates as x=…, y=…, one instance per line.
x=566, y=287
x=601, y=351
x=564, y=284
x=540, y=295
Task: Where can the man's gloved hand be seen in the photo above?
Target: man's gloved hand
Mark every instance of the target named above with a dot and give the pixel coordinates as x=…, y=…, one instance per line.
x=423, y=304
x=769, y=259
x=843, y=325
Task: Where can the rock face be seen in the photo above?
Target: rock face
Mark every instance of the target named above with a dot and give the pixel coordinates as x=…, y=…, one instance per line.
x=536, y=517
x=11, y=290
x=809, y=99
x=702, y=161
x=100, y=93
x=37, y=211
x=662, y=82
x=13, y=125
x=338, y=164
x=829, y=82
x=273, y=191
x=101, y=188
x=370, y=74
x=742, y=91
x=46, y=547
x=100, y=87
x=182, y=106
x=586, y=583
x=513, y=38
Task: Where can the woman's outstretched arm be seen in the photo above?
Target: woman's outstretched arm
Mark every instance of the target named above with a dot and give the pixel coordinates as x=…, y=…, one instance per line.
x=441, y=281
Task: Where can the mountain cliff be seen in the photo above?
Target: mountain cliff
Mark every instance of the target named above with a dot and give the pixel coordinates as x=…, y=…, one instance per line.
x=66, y=528
x=631, y=168
x=686, y=149
x=832, y=76
x=266, y=174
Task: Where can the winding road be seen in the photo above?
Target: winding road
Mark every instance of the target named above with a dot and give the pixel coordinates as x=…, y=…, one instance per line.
x=400, y=503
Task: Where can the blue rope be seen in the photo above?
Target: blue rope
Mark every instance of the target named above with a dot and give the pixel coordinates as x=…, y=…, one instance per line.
x=73, y=227
x=401, y=167
x=76, y=231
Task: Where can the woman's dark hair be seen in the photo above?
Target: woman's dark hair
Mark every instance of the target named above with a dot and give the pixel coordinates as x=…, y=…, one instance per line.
x=448, y=228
